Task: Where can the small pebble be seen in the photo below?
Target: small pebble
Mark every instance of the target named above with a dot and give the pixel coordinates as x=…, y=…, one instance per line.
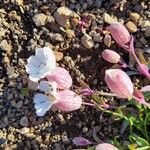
x=24, y=121
x=87, y=41
x=131, y=27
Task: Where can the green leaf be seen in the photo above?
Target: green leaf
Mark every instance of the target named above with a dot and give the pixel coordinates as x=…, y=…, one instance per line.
x=143, y=148
x=147, y=95
x=25, y=91
x=148, y=64
x=138, y=140
x=91, y=148
x=124, y=125
x=131, y=73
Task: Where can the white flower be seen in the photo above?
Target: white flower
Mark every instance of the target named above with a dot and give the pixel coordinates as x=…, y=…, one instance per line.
x=44, y=102
x=41, y=65
x=48, y=87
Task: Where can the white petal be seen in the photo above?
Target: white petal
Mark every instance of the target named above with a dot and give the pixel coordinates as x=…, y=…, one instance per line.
x=35, y=77
x=44, y=54
x=42, y=104
x=43, y=86
x=33, y=60
x=31, y=69
x=48, y=87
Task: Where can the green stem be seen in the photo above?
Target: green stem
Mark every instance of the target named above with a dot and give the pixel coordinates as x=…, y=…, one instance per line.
x=145, y=125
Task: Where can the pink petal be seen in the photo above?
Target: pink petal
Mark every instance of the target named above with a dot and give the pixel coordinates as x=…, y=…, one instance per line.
x=139, y=97
x=80, y=141
x=143, y=69
x=68, y=101
x=119, y=33
x=62, y=77
x=105, y=146
x=146, y=88
x=119, y=83
x=111, y=56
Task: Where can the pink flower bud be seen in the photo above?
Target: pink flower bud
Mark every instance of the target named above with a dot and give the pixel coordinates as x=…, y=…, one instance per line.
x=144, y=70
x=119, y=83
x=111, y=56
x=80, y=141
x=145, y=88
x=119, y=33
x=139, y=97
x=62, y=77
x=68, y=101
x=105, y=146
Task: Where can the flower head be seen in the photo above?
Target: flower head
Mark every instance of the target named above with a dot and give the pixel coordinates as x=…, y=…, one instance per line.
x=119, y=83
x=40, y=65
x=64, y=100
x=105, y=146
x=111, y=56
x=119, y=33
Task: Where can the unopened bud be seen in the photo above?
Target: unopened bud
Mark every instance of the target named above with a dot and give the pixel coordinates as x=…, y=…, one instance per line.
x=111, y=56
x=119, y=83
x=119, y=33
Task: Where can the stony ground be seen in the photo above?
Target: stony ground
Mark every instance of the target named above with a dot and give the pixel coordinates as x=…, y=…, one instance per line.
x=27, y=24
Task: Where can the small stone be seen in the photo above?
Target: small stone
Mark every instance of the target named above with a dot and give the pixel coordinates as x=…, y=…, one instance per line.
x=58, y=55
x=6, y=60
x=33, y=85
x=2, y=141
x=147, y=31
x=85, y=5
x=109, y=19
x=87, y=41
x=107, y=40
x=57, y=37
x=63, y=15
x=24, y=130
x=19, y=86
x=134, y=16
x=24, y=121
x=131, y=27
x=70, y=33
x=67, y=58
x=4, y=45
x=98, y=3
x=97, y=37
x=145, y=23
x=10, y=137
x=39, y=19
x=57, y=1
x=85, y=129
x=19, y=104
x=18, y=2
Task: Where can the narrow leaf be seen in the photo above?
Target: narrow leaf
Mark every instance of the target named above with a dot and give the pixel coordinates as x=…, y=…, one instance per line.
x=142, y=59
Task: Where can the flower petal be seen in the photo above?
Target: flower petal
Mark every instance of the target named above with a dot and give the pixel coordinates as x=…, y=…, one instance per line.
x=105, y=146
x=42, y=104
x=44, y=54
x=30, y=69
x=80, y=141
x=35, y=77
x=33, y=61
x=48, y=87
x=68, y=101
x=119, y=83
x=146, y=88
x=62, y=77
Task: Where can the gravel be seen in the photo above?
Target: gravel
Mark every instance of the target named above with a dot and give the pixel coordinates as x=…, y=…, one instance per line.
x=26, y=25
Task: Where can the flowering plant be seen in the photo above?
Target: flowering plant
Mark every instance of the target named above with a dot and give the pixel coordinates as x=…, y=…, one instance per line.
x=56, y=87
